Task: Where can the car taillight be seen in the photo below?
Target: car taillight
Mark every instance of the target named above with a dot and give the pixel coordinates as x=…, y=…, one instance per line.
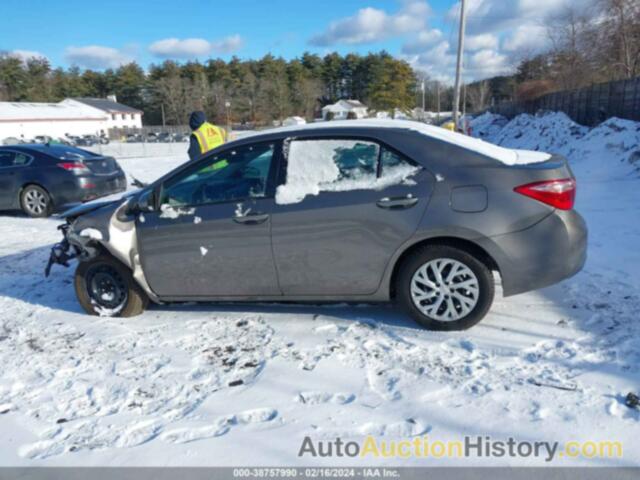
x=75, y=167
x=560, y=194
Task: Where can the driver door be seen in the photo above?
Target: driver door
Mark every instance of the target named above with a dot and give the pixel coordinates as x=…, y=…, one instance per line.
x=211, y=236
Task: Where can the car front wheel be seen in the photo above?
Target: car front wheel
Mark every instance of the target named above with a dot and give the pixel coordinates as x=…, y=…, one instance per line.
x=105, y=287
x=445, y=288
x=35, y=201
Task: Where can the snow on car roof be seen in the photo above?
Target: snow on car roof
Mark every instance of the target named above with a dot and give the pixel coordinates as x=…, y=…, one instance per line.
x=504, y=155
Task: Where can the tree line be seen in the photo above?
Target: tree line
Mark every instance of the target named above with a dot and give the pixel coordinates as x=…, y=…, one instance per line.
x=596, y=43
x=242, y=91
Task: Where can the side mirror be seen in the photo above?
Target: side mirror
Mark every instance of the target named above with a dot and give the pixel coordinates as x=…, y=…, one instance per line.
x=144, y=203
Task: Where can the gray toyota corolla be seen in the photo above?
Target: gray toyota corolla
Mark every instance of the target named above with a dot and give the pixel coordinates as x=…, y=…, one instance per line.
x=360, y=211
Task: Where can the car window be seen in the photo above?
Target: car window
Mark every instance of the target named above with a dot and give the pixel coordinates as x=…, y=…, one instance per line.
x=338, y=165
x=393, y=164
x=232, y=175
x=22, y=159
x=14, y=159
x=6, y=159
x=331, y=164
x=355, y=159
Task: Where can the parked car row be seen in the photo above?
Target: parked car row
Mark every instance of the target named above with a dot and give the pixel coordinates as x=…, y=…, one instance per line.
x=156, y=137
x=67, y=139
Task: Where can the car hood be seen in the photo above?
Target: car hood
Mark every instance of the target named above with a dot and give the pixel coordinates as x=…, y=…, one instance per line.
x=95, y=205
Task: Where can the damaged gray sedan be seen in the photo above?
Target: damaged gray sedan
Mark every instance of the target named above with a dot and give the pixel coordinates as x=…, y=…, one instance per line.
x=358, y=211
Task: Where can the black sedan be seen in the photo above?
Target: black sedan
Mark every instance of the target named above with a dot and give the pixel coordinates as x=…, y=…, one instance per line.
x=39, y=178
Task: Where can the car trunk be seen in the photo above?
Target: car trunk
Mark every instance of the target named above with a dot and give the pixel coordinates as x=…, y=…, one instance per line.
x=101, y=165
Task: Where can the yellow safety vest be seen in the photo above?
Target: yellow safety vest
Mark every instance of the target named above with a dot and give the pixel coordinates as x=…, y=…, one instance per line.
x=209, y=137
x=449, y=126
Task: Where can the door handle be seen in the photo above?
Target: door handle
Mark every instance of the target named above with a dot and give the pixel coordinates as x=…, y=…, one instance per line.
x=251, y=218
x=397, y=203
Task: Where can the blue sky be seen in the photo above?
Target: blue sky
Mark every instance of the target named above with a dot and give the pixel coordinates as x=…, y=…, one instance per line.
x=109, y=33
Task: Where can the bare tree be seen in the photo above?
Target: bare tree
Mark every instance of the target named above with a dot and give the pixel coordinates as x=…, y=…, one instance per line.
x=618, y=37
x=567, y=31
x=479, y=94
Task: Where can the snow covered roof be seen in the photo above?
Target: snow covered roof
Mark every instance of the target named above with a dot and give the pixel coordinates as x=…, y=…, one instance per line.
x=344, y=105
x=504, y=155
x=32, y=111
x=106, y=105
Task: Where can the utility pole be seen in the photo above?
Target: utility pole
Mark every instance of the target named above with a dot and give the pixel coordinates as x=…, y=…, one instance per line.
x=456, y=93
x=163, y=119
x=423, y=93
x=464, y=99
x=438, y=101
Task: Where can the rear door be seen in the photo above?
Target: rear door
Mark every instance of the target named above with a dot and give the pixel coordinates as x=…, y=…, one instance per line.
x=212, y=235
x=12, y=164
x=346, y=206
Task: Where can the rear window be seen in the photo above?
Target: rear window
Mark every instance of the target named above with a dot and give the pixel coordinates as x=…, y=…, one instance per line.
x=69, y=153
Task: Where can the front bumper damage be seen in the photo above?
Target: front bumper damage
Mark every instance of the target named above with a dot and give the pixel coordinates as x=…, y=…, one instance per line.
x=71, y=247
x=108, y=229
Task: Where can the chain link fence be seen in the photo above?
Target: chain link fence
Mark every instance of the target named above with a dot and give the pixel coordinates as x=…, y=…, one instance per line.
x=587, y=106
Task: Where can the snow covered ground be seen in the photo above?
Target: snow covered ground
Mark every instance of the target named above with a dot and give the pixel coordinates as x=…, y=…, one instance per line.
x=243, y=385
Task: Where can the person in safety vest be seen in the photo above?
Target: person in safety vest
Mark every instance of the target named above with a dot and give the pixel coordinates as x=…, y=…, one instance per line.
x=205, y=136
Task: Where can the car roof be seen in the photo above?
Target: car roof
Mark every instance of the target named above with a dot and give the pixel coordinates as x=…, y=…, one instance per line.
x=52, y=149
x=476, y=145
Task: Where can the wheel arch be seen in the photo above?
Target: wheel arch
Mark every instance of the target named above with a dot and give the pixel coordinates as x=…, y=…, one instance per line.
x=36, y=184
x=464, y=244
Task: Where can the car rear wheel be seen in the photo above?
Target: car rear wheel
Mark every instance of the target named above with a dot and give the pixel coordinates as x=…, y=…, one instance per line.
x=105, y=287
x=35, y=201
x=445, y=288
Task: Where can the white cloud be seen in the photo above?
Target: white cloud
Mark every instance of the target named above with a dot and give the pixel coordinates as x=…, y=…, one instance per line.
x=26, y=55
x=473, y=43
x=96, y=56
x=527, y=37
x=485, y=16
x=370, y=25
x=176, y=48
x=439, y=63
x=486, y=63
x=194, y=47
x=498, y=32
x=424, y=40
x=229, y=44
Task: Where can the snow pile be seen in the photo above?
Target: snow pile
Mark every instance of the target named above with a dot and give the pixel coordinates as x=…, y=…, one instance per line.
x=487, y=125
x=615, y=138
x=554, y=132
x=551, y=132
x=312, y=168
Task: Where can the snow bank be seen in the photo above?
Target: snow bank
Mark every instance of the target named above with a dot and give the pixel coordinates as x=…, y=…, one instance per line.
x=555, y=132
x=487, y=125
x=504, y=155
x=551, y=132
x=615, y=138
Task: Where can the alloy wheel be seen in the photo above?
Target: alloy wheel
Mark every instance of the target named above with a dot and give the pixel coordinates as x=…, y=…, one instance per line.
x=35, y=201
x=445, y=289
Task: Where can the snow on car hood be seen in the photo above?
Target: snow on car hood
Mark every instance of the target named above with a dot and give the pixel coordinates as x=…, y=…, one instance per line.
x=504, y=155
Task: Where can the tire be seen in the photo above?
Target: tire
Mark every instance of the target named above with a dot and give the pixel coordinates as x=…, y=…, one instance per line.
x=119, y=295
x=35, y=201
x=470, y=291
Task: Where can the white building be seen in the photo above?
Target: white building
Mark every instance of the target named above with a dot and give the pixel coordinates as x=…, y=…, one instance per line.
x=291, y=121
x=342, y=108
x=75, y=117
x=118, y=115
x=26, y=120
